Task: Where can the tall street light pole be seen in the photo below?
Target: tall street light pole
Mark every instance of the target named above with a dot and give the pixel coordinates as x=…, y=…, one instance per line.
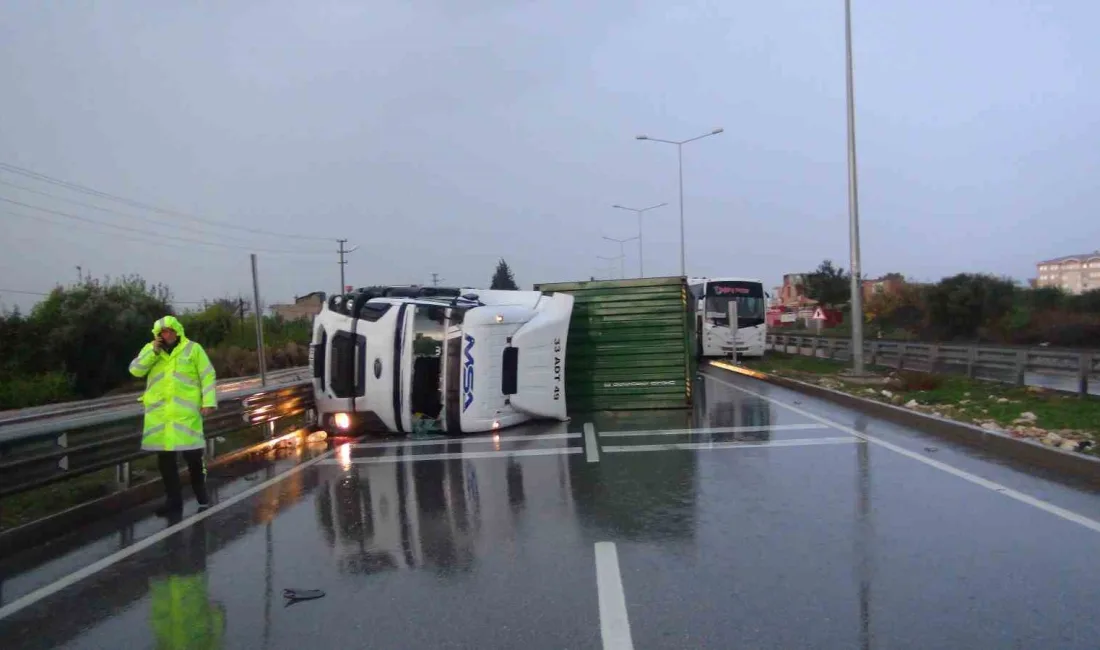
x=639, y=211
x=622, y=253
x=853, y=204
x=680, y=160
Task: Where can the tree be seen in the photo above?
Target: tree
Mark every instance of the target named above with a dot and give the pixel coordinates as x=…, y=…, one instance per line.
x=830, y=286
x=1086, y=303
x=503, y=278
x=18, y=339
x=902, y=309
x=968, y=306
x=91, y=331
x=1043, y=298
x=211, y=325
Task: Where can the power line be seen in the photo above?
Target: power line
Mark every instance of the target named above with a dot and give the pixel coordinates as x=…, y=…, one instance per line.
x=134, y=238
x=187, y=262
x=14, y=169
x=147, y=232
x=108, y=210
x=40, y=293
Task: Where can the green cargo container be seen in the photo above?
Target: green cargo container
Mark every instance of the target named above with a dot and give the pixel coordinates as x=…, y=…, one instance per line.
x=630, y=344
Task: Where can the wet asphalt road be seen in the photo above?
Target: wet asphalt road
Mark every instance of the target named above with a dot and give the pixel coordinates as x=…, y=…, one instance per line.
x=776, y=528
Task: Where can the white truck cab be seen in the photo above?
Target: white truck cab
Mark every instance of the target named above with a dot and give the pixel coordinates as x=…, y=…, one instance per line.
x=457, y=360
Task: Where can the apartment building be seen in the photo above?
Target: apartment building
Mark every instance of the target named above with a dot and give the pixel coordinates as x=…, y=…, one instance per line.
x=1072, y=273
x=304, y=307
x=793, y=292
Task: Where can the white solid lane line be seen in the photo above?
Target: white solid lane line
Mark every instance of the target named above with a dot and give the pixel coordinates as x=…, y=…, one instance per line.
x=472, y=439
x=614, y=622
x=412, y=458
x=592, y=452
x=733, y=444
x=706, y=430
x=137, y=547
x=1057, y=511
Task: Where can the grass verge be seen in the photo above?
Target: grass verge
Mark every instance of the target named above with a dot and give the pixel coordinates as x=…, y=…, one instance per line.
x=992, y=405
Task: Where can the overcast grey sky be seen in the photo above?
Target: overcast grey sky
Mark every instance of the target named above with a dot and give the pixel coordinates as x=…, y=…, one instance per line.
x=439, y=136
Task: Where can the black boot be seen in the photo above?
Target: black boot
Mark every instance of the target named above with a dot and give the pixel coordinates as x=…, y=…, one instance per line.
x=196, y=467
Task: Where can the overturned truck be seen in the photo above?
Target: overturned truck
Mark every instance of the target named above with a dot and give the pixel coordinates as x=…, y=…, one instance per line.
x=407, y=359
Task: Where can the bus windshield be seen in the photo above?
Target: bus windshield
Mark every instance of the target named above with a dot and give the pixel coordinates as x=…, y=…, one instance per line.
x=749, y=297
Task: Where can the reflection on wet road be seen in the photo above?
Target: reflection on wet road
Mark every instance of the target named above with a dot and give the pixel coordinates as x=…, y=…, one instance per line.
x=758, y=519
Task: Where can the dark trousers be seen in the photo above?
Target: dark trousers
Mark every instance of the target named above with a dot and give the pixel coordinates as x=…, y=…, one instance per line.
x=169, y=472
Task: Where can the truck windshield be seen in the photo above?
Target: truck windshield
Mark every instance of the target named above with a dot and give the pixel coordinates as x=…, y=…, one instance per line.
x=749, y=297
x=453, y=361
x=427, y=353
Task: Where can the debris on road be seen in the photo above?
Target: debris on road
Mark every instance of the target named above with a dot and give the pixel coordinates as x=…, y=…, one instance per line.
x=298, y=595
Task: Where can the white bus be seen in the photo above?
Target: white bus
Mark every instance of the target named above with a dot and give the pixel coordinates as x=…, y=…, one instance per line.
x=712, y=330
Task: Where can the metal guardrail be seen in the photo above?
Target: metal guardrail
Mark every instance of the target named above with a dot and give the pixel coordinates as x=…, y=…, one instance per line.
x=975, y=361
x=47, y=452
x=45, y=412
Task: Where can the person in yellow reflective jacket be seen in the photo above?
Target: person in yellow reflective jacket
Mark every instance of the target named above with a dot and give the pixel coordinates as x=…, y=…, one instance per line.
x=179, y=391
x=183, y=616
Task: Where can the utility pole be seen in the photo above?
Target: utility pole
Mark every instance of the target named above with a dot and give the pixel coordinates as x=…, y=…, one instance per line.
x=79, y=274
x=343, y=262
x=436, y=279
x=853, y=204
x=259, y=323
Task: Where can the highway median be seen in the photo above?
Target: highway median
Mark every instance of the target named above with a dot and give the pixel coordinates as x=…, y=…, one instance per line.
x=1039, y=427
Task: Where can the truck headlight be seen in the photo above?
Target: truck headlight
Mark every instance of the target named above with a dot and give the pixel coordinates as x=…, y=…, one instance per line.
x=342, y=421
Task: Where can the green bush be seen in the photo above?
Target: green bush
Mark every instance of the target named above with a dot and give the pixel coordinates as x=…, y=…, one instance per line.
x=22, y=392
x=234, y=361
x=79, y=341
x=211, y=326
x=91, y=331
x=1058, y=328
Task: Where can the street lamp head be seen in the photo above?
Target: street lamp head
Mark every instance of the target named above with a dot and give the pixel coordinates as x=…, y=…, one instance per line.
x=641, y=137
x=717, y=131
x=618, y=206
